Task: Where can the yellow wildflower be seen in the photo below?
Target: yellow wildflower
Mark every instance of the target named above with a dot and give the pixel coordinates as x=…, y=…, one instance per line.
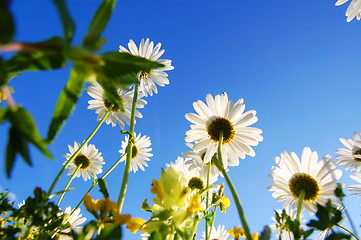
x=135, y=224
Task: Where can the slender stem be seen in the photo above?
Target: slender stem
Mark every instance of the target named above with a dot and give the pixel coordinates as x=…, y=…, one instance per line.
x=348, y=231
x=129, y=151
x=68, y=183
x=349, y=219
x=301, y=197
x=207, y=198
x=212, y=222
x=196, y=220
x=232, y=189
x=96, y=182
x=78, y=151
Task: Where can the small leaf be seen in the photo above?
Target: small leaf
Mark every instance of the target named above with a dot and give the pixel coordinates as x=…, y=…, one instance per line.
x=11, y=151
x=113, y=232
x=51, y=57
x=93, y=40
x=67, y=99
x=7, y=26
x=67, y=21
x=156, y=236
x=338, y=236
x=266, y=233
x=25, y=125
x=103, y=187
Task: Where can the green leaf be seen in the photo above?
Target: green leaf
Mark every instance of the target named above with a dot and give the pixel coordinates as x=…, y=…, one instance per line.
x=3, y=112
x=338, y=236
x=266, y=233
x=156, y=236
x=67, y=99
x=67, y=21
x=49, y=57
x=7, y=26
x=113, y=232
x=93, y=40
x=25, y=130
x=328, y=217
x=103, y=187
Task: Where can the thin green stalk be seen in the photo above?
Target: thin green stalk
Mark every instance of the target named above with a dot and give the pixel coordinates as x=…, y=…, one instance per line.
x=196, y=220
x=207, y=199
x=129, y=151
x=349, y=219
x=78, y=151
x=96, y=182
x=348, y=231
x=301, y=197
x=68, y=183
x=212, y=223
x=232, y=188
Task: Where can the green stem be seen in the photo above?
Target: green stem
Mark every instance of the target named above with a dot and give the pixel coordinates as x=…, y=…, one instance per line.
x=196, y=220
x=212, y=221
x=78, y=151
x=207, y=199
x=349, y=219
x=301, y=197
x=68, y=183
x=96, y=182
x=129, y=151
x=232, y=189
x=348, y=231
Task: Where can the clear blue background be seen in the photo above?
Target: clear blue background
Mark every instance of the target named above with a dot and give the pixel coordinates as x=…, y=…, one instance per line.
x=297, y=63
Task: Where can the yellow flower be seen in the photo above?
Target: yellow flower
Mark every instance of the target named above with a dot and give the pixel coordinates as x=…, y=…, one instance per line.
x=195, y=205
x=225, y=203
x=135, y=224
x=172, y=190
x=238, y=233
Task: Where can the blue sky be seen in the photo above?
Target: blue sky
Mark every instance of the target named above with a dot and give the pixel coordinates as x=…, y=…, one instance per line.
x=297, y=63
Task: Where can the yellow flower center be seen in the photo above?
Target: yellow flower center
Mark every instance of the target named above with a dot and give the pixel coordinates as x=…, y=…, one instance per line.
x=195, y=182
x=357, y=152
x=303, y=181
x=219, y=125
x=134, y=151
x=83, y=160
x=108, y=104
x=144, y=75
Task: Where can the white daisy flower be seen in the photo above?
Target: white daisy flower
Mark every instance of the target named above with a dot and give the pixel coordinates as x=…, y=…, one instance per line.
x=140, y=152
x=196, y=178
x=116, y=115
x=195, y=160
x=90, y=158
x=316, y=178
x=355, y=189
x=280, y=227
x=221, y=233
x=20, y=204
x=218, y=115
x=353, y=10
x=157, y=76
x=351, y=157
x=74, y=220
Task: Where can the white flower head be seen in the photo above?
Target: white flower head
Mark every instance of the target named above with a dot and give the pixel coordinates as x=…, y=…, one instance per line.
x=195, y=161
x=74, y=220
x=155, y=77
x=351, y=155
x=220, y=233
x=317, y=179
x=353, y=10
x=89, y=157
x=220, y=115
x=355, y=190
x=195, y=177
x=280, y=227
x=101, y=106
x=140, y=151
